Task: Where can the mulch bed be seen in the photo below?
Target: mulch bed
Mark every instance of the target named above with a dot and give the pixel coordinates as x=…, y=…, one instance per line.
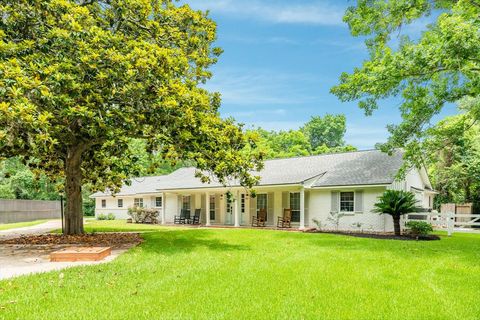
x=115, y=240
x=384, y=236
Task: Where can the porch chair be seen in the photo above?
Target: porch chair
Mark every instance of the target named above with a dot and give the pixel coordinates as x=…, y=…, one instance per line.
x=260, y=219
x=196, y=217
x=286, y=220
x=182, y=218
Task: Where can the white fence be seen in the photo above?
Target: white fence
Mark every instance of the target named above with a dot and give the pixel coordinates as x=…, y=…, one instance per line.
x=447, y=221
x=28, y=210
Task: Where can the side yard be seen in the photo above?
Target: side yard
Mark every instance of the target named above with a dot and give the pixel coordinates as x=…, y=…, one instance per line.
x=8, y=226
x=258, y=274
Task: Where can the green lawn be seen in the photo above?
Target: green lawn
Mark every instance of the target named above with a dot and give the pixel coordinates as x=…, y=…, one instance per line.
x=259, y=274
x=7, y=226
x=93, y=225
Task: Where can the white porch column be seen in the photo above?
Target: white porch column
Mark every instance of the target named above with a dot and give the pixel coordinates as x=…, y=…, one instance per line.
x=302, y=208
x=164, y=202
x=207, y=209
x=235, y=209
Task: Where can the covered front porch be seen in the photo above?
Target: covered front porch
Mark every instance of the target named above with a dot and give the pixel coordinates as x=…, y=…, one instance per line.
x=218, y=209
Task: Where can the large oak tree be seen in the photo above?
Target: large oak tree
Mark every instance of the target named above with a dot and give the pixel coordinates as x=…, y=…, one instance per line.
x=441, y=66
x=80, y=79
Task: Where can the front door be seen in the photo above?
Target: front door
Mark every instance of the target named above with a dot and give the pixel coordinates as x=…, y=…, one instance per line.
x=229, y=219
x=213, y=207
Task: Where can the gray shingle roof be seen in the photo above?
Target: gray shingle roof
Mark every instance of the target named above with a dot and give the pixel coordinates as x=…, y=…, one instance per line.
x=336, y=169
x=138, y=186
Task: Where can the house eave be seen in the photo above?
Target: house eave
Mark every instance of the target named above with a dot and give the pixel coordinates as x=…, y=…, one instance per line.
x=373, y=185
x=299, y=184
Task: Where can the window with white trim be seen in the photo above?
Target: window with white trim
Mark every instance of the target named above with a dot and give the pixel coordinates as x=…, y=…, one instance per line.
x=158, y=202
x=262, y=202
x=104, y=203
x=347, y=201
x=138, y=202
x=120, y=203
x=242, y=203
x=186, y=201
x=295, y=206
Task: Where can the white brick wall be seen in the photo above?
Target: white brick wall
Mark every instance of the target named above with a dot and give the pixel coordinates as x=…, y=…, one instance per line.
x=320, y=207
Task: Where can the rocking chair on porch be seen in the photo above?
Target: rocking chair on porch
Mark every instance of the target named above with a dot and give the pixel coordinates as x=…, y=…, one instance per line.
x=286, y=220
x=196, y=217
x=182, y=218
x=260, y=219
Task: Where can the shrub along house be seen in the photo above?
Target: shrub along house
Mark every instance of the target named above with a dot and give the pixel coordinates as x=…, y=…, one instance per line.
x=337, y=190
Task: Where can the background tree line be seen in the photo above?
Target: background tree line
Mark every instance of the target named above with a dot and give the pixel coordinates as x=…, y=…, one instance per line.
x=451, y=152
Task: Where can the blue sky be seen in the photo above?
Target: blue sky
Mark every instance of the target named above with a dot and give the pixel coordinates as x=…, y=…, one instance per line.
x=281, y=59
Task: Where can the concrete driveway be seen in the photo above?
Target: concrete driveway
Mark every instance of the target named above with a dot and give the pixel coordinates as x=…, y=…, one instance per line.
x=42, y=228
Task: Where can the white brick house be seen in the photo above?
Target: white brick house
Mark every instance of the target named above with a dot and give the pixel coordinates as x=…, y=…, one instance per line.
x=316, y=188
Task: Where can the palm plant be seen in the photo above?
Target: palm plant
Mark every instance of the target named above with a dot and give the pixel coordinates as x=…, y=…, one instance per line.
x=396, y=203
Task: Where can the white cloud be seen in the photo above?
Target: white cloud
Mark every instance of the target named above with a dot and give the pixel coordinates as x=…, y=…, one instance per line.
x=254, y=87
x=319, y=13
x=282, y=41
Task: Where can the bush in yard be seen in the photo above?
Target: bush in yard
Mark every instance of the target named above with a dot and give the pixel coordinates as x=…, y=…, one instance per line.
x=110, y=216
x=419, y=228
x=396, y=203
x=143, y=215
x=102, y=216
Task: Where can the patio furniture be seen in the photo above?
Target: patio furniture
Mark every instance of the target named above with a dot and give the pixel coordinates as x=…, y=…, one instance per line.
x=286, y=220
x=196, y=217
x=260, y=219
x=182, y=218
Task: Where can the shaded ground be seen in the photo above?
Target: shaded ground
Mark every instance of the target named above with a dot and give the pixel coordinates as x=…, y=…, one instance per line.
x=115, y=240
x=381, y=236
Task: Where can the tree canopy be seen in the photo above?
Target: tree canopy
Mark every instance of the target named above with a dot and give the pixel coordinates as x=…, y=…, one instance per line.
x=319, y=135
x=326, y=131
x=441, y=66
x=18, y=182
x=452, y=149
x=80, y=79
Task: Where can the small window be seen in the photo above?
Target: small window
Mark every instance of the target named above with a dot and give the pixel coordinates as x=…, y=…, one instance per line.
x=295, y=206
x=138, y=202
x=120, y=203
x=104, y=203
x=158, y=202
x=347, y=201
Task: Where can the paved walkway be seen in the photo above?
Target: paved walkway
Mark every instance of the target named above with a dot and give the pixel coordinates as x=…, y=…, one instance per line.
x=17, y=260
x=32, y=230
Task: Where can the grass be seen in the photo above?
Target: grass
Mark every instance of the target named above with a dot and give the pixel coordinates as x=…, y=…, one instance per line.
x=258, y=274
x=8, y=226
x=118, y=225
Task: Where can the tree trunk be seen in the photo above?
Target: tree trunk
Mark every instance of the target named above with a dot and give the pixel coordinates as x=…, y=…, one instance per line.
x=73, y=190
x=396, y=225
